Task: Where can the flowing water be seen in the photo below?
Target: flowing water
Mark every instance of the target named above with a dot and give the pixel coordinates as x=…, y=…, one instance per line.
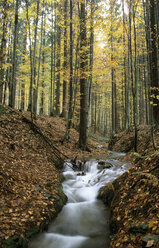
x=84, y=220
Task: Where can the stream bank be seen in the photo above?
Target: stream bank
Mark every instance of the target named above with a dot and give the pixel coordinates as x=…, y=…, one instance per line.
x=133, y=197
x=84, y=221
x=30, y=183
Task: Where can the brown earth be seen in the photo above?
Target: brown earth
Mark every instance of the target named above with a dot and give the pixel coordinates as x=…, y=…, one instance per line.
x=134, y=196
x=30, y=188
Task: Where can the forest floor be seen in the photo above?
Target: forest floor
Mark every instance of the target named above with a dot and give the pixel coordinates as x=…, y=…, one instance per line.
x=30, y=187
x=135, y=201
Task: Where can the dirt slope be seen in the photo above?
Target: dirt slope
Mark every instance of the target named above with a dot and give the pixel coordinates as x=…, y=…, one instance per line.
x=30, y=189
x=134, y=197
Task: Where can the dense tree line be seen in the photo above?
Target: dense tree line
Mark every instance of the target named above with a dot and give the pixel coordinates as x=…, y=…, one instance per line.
x=94, y=63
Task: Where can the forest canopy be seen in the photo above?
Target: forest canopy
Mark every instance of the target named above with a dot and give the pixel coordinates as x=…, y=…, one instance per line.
x=95, y=63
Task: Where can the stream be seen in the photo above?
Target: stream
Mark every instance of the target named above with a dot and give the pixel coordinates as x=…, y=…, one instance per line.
x=84, y=220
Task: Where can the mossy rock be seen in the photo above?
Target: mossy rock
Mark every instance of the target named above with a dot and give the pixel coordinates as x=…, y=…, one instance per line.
x=15, y=242
x=61, y=178
x=61, y=199
x=33, y=231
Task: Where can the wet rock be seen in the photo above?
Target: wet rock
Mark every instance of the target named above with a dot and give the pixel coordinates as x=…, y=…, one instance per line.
x=60, y=200
x=61, y=178
x=69, y=175
x=106, y=194
x=79, y=165
x=81, y=174
x=104, y=165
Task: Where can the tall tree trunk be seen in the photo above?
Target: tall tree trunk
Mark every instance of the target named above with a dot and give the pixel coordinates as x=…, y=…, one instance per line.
x=43, y=71
x=134, y=83
x=39, y=64
x=3, y=48
x=31, y=61
x=154, y=66
x=64, y=104
x=83, y=80
x=125, y=79
x=148, y=46
x=58, y=63
x=113, y=76
x=91, y=50
x=52, y=58
x=32, y=90
x=33, y=107
x=24, y=61
x=70, y=110
x=14, y=62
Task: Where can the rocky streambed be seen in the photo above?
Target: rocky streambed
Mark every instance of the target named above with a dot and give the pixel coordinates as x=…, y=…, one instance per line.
x=84, y=220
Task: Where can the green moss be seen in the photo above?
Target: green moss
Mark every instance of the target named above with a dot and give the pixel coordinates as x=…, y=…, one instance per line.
x=61, y=178
x=35, y=230
x=15, y=242
x=61, y=199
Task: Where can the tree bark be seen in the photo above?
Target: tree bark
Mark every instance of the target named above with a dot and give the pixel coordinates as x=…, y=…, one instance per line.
x=58, y=63
x=65, y=67
x=3, y=48
x=14, y=62
x=154, y=64
x=83, y=80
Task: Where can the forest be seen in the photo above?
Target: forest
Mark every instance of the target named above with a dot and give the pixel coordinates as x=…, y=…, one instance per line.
x=95, y=63
x=79, y=123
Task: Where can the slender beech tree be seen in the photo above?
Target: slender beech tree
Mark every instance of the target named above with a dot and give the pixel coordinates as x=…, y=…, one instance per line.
x=58, y=60
x=24, y=62
x=83, y=80
x=134, y=80
x=154, y=63
x=3, y=47
x=14, y=61
x=70, y=110
x=65, y=64
x=41, y=111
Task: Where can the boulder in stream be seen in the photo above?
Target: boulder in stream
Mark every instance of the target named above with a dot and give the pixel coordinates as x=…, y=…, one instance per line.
x=104, y=165
x=106, y=194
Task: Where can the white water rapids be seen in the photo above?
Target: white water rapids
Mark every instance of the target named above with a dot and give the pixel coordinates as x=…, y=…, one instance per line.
x=84, y=220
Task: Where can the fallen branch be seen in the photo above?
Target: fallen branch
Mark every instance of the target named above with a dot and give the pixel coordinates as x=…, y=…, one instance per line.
x=55, y=150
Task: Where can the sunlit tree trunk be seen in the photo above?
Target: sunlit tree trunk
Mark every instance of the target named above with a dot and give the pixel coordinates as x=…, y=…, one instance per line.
x=65, y=67
x=126, y=81
x=41, y=111
x=70, y=110
x=53, y=60
x=24, y=61
x=58, y=62
x=114, y=114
